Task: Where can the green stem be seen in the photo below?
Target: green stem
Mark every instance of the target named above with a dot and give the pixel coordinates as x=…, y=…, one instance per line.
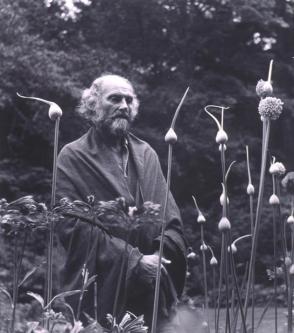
x=15, y=285
x=158, y=272
x=228, y=321
x=275, y=269
x=266, y=132
x=205, y=278
x=220, y=284
x=214, y=294
x=85, y=274
x=233, y=266
x=52, y=204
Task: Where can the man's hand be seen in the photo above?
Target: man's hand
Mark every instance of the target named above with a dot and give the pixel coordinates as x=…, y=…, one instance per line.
x=149, y=264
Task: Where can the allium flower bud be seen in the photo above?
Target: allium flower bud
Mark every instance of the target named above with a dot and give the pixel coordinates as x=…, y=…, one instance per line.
x=290, y=219
x=54, y=111
x=270, y=108
x=221, y=137
x=224, y=224
x=274, y=200
x=203, y=247
x=277, y=168
x=233, y=247
x=201, y=218
x=222, y=199
x=264, y=88
x=288, y=261
x=291, y=270
x=171, y=136
x=220, y=147
x=250, y=189
x=191, y=255
x=188, y=274
x=205, y=324
x=213, y=261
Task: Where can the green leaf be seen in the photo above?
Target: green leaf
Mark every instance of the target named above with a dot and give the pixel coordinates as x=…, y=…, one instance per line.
x=90, y=281
x=38, y=297
x=5, y=292
x=31, y=272
x=63, y=294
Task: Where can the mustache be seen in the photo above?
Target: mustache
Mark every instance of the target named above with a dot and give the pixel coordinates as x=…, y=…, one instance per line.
x=121, y=114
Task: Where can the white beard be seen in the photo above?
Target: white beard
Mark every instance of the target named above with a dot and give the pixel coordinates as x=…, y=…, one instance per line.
x=119, y=126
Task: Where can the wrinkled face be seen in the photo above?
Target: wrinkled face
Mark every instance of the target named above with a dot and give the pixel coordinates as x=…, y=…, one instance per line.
x=117, y=107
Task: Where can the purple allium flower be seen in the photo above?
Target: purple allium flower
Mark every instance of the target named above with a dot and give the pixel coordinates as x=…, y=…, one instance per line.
x=264, y=89
x=270, y=108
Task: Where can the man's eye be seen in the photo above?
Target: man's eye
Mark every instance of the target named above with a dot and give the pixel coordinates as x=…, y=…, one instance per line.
x=115, y=99
x=129, y=100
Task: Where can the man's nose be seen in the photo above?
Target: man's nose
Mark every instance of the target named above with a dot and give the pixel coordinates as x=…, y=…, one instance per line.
x=123, y=104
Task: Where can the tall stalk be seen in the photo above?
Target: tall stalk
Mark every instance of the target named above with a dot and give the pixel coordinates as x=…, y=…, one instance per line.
x=15, y=285
x=170, y=138
x=51, y=221
x=204, y=247
x=251, y=275
x=54, y=114
x=250, y=192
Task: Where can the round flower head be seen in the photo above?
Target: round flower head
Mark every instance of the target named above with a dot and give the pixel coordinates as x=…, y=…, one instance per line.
x=264, y=89
x=270, y=108
x=290, y=219
x=288, y=182
x=277, y=168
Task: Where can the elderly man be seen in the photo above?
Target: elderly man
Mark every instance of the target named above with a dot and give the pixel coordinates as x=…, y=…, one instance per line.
x=109, y=162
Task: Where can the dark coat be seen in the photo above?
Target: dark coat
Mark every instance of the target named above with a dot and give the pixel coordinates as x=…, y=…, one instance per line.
x=87, y=167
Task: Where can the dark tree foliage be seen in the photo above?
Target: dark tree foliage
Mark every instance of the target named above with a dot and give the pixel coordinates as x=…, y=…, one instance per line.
x=220, y=48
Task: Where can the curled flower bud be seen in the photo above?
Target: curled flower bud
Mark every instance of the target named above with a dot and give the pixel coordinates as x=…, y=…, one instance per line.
x=201, y=218
x=171, y=136
x=288, y=261
x=274, y=200
x=291, y=270
x=233, y=247
x=222, y=199
x=264, y=89
x=203, y=247
x=221, y=137
x=224, y=224
x=191, y=255
x=250, y=189
x=277, y=168
x=54, y=111
x=290, y=219
x=270, y=108
x=213, y=261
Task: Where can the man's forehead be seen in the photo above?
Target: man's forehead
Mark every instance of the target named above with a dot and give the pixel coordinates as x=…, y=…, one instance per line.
x=116, y=85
